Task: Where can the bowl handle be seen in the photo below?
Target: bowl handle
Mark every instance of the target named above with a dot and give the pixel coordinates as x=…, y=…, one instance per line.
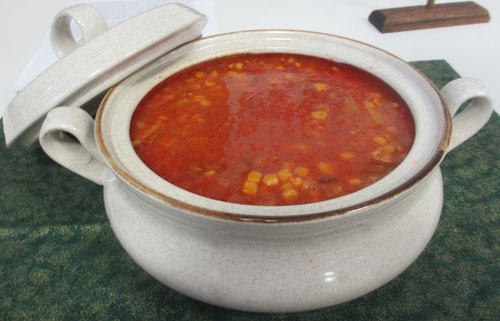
x=474, y=116
x=89, y=20
x=67, y=136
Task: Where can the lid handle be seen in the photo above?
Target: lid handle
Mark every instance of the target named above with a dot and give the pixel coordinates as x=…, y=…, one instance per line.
x=89, y=20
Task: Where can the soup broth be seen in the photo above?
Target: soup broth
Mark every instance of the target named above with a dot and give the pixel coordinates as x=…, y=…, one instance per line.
x=272, y=129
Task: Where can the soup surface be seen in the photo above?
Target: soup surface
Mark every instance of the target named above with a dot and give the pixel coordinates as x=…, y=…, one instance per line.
x=272, y=129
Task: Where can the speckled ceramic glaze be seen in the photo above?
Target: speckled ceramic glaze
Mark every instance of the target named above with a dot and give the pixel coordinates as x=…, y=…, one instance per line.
x=99, y=60
x=259, y=258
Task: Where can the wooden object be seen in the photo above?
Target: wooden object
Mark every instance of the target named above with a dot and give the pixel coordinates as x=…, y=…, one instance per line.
x=429, y=16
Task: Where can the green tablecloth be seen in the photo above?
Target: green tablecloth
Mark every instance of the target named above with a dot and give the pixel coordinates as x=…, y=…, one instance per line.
x=59, y=259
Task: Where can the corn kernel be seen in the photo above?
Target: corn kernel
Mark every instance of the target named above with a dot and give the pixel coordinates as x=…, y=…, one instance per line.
x=270, y=179
x=378, y=102
x=395, y=105
x=392, y=130
x=334, y=68
x=298, y=64
x=205, y=103
x=389, y=149
x=210, y=173
x=355, y=181
x=284, y=174
x=347, y=155
x=296, y=181
x=320, y=87
x=209, y=83
x=136, y=142
x=254, y=176
x=199, y=74
x=287, y=186
x=320, y=115
x=379, y=140
x=198, y=98
x=250, y=188
x=389, y=137
x=238, y=65
x=381, y=156
x=289, y=194
x=369, y=104
x=301, y=171
x=214, y=74
x=290, y=60
x=325, y=168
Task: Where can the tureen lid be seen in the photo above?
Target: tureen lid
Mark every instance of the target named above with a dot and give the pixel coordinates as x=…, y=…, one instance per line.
x=96, y=64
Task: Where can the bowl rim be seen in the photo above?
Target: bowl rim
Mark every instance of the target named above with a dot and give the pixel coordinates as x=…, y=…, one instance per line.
x=419, y=176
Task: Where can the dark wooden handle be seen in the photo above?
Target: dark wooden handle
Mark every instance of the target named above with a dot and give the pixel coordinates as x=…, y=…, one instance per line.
x=429, y=16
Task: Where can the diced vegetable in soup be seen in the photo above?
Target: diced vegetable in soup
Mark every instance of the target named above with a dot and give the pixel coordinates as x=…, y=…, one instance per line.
x=272, y=129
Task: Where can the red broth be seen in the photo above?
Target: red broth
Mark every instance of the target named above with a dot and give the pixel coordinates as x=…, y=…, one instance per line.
x=272, y=129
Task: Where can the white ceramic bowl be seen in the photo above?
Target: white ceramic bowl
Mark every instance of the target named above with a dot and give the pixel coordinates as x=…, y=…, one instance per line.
x=263, y=258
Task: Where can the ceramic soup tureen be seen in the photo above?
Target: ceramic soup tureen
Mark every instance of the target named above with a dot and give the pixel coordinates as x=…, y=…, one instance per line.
x=253, y=258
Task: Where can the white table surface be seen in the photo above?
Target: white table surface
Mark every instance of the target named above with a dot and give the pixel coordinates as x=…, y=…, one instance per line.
x=473, y=50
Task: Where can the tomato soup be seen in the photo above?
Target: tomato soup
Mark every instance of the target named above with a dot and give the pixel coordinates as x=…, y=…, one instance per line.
x=272, y=129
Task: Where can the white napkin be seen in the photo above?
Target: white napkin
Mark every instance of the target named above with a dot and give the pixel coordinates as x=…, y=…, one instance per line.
x=114, y=12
